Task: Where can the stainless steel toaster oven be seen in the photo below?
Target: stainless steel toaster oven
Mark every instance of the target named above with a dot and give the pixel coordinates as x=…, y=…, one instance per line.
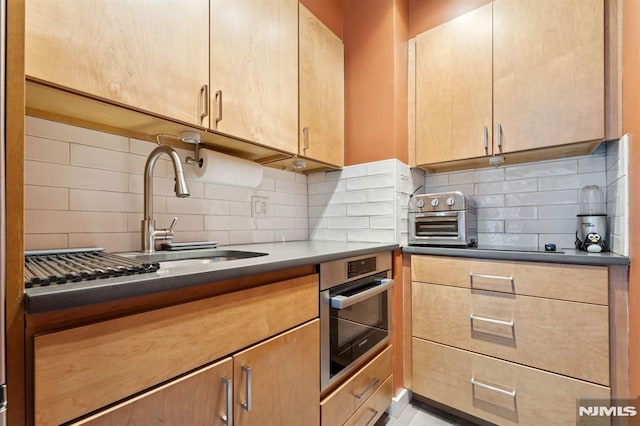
x=443, y=219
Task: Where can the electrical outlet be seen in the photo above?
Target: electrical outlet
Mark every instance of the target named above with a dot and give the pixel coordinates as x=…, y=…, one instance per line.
x=259, y=206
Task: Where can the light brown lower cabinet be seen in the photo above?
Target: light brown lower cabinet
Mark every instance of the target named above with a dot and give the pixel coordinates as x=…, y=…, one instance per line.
x=198, y=398
x=274, y=382
x=498, y=391
x=365, y=389
x=85, y=369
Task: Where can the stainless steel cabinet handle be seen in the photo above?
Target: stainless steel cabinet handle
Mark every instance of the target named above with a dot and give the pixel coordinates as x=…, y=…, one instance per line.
x=341, y=302
x=228, y=417
x=374, y=381
x=474, y=382
x=204, y=95
x=500, y=137
x=490, y=277
x=486, y=140
x=375, y=414
x=219, y=102
x=491, y=320
x=247, y=390
x=305, y=132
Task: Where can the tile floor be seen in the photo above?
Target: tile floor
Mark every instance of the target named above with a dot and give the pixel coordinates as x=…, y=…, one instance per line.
x=419, y=414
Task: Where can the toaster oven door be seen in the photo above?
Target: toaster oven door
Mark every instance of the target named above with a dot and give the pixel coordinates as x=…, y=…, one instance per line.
x=437, y=228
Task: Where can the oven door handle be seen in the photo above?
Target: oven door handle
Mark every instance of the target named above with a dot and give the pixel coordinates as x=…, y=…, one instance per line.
x=341, y=302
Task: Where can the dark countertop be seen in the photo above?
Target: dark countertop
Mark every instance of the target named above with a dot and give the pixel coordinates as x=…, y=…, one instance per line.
x=279, y=256
x=562, y=255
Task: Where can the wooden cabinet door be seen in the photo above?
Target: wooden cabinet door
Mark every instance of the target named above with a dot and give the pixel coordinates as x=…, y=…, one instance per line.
x=321, y=132
x=453, y=89
x=254, y=71
x=548, y=72
x=279, y=380
x=151, y=55
x=199, y=398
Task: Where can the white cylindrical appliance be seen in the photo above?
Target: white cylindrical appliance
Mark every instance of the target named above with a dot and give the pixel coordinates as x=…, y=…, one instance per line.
x=592, y=220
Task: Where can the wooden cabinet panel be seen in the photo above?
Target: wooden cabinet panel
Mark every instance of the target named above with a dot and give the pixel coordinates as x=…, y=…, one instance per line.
x=84, y=368
x=548, y=72
x=580, y=283
x=454, y=89
x=284, y=383
x=444, y=374
x=148, y=55
x=341, y=403
x=254, y=65
x=374, y=407
x=321, y=129
x=197, y=399
x=534, y=331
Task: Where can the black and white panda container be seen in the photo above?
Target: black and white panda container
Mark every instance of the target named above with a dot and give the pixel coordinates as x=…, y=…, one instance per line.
x=592, y=221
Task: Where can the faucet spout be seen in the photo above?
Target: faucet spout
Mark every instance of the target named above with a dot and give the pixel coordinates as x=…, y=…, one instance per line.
x=149, y=232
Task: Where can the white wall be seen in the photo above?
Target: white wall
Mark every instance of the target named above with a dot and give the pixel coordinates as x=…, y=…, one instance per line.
x=84, y=188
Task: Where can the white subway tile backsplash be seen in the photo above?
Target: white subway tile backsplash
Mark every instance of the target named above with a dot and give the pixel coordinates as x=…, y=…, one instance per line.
x=103, y=201
x=324, y=234
x=273, y=223
x=508, y=240
x=111, y=241
x=380, y=194
x=235, y=208
x=371, y=235
x=46, y=241
x=56, y=221
x=563, y=211
x=374, y=181
x=347, y=197
x=67, y=133
x=435, y=180
x=348, y=222
x=317, y=200
x=49, y=174
x=495, y=200
x=522, y=185
x=346, y=173
x=476, y=176
x=370, y=209
x=290, y=211
x=229, y=193
x=383, y=222
x=542, y=198
x=186, y=222
x=228, y=223
x=104, y=159
x=540, y=226
x=592, y=164
x=327, y=187
x=317, y=177
x=45, y=198
x=542, y=168
x=380, y=167
x=572, y=181
x=490, y=226
x=251, y=237
x=282, y=235
x=328, y=211
x=291, y=187
x=47, y=150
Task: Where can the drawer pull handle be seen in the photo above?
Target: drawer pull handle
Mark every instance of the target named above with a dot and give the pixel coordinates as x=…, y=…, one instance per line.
x=491, y=321
x=474, y=382
x=228, y=417
x=490, y=277
x=375, y=414
x=374, y=381
x=247, y=389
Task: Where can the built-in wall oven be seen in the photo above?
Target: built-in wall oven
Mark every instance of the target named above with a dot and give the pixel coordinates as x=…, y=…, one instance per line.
x=355, y=313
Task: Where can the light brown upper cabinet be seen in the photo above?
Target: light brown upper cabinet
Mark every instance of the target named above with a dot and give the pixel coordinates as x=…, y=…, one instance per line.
x=543, y=63
x=153, y=56
x=453, y=89
x=254, y=71
x=321, y=128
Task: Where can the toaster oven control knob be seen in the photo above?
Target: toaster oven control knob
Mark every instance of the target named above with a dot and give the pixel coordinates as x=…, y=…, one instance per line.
x=451, y=201
x=435, y=202
x=420, y=204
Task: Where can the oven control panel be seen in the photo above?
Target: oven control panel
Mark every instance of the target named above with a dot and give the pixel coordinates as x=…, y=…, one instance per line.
x=361, y=267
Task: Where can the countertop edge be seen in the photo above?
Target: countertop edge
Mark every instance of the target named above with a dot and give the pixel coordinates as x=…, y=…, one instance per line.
x=59, y=298
x=598, y=259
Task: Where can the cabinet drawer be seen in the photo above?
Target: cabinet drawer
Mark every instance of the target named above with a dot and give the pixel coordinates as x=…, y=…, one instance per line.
x=341, y=403
x=580, y=283
x=373, y=407
x=503, y=393
x=542, y=333
x=84, y=368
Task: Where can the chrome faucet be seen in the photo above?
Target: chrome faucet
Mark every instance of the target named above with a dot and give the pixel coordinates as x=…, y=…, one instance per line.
x=149, y=232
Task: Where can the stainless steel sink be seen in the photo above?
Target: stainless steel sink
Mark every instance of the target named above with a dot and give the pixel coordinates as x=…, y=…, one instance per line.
x=192, y=257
